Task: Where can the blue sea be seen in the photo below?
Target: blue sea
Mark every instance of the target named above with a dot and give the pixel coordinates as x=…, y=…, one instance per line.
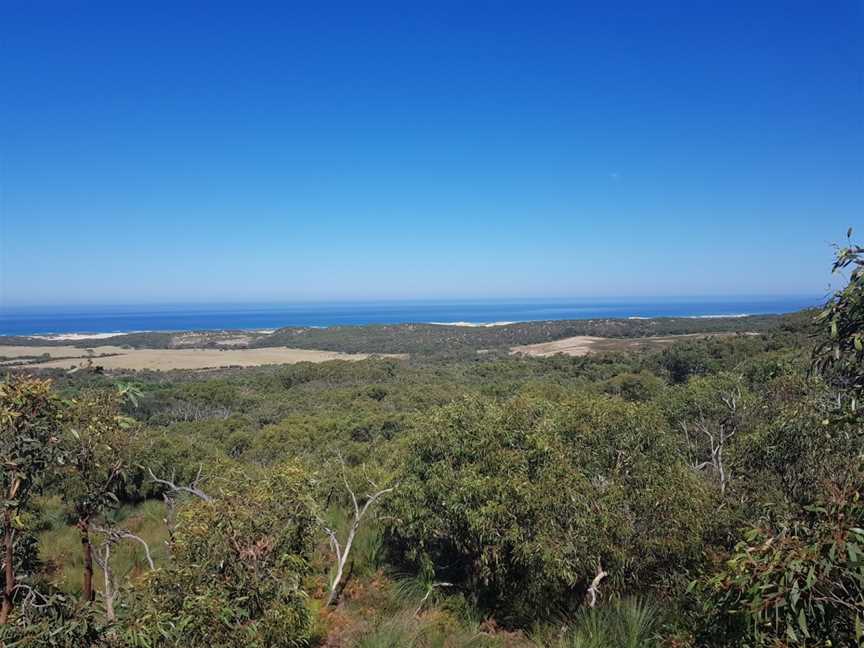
x=41, y=320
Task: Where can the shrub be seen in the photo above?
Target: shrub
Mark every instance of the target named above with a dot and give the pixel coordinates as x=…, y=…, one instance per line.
x=235, y=577
x=800, y=585
x=516, y=504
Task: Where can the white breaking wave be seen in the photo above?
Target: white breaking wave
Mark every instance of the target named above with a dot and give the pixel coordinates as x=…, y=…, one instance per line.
x=636, y=317
x=474, y=324
x=80, y=336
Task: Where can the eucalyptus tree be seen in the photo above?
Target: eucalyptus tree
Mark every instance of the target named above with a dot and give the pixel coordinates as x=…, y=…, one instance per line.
x=95, y=451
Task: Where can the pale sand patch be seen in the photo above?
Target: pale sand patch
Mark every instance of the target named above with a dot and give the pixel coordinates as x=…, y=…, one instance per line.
x=166, y=359
x=581, y=345
x=219, y=338
x=79, y=336
x=572, y=346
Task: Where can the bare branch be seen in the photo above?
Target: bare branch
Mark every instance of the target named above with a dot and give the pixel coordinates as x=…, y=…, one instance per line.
x=192, y=489
x=343, y=551
x=594, y=589
x=115, y=535
x=428, y=594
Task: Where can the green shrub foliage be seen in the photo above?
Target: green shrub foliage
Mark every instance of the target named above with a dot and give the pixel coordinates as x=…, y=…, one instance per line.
x=519, y=503
x=798, y=585
x=236, y=569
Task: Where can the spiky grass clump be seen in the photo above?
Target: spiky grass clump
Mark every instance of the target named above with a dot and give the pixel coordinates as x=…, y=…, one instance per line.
x=630, y=623
x=435, y=629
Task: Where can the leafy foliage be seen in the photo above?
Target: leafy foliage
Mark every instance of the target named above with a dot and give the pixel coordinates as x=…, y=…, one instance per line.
x=237, y=569
x=518, y=503
x=30, y=430
x=58, y=622
x=840, y=357
x=94, y=450
x=30, y=421
x=800, y=585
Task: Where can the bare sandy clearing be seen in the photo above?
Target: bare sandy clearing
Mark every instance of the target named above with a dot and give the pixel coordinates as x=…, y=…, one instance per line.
x=584, y=344
x=166, y=359
x=572, y=346
x=219, y=338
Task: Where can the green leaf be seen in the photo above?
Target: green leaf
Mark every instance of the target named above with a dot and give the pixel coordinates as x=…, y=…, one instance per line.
x=802, y=623
x=795, y=594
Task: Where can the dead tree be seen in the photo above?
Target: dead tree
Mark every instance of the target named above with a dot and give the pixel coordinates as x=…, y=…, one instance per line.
x=103, y=559
x=343, y=550
x=172, y=490
x=192, y=488
x=594, y=589
x=718, y=435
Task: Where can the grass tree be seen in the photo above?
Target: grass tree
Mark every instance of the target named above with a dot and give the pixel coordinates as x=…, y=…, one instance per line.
x=30, y=423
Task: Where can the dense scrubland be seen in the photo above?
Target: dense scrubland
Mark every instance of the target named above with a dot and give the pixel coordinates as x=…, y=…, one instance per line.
x=704, y=494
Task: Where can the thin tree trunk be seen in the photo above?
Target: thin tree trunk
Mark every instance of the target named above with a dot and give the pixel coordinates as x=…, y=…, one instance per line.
x=335, y=589
x=109, y=586
x=9, y=586
x=84, y=527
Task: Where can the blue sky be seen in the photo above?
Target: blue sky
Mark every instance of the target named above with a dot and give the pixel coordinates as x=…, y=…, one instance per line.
x=289, y=151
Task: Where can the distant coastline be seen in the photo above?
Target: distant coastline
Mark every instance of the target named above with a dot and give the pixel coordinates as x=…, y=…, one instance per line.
x=84, y=335
x=102, y=321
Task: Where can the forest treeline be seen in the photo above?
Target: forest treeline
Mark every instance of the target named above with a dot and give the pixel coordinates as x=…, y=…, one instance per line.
x=705, y=494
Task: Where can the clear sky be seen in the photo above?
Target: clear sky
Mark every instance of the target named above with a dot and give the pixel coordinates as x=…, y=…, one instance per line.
x=173, y=151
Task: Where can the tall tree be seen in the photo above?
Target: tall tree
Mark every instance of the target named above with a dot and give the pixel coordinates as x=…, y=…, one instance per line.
x=96, y=463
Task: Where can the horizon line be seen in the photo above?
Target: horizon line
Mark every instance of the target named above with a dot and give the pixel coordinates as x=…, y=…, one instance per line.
x=398, y=300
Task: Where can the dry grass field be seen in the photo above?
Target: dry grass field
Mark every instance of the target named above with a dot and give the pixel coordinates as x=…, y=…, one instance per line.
x=113, y=357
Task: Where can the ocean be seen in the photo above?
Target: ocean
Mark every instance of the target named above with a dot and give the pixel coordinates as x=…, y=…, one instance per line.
x=43, y=320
